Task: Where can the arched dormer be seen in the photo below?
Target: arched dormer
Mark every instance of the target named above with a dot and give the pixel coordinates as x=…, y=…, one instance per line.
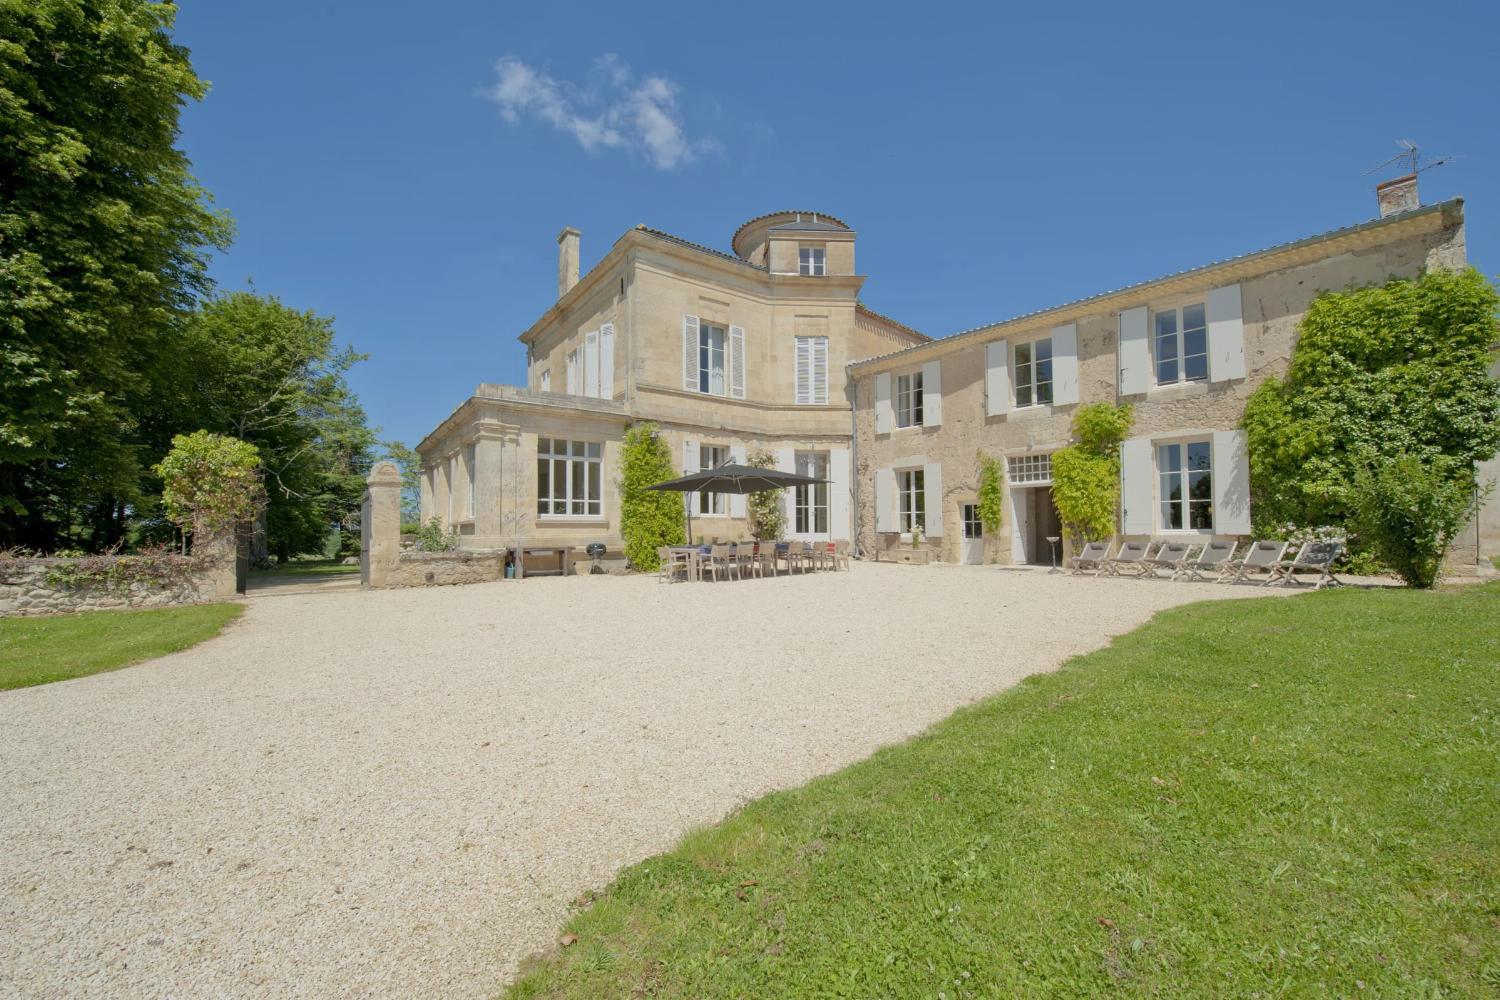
x=811, y=244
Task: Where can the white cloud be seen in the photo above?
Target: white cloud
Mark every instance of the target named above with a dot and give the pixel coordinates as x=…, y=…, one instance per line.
x=613, y=109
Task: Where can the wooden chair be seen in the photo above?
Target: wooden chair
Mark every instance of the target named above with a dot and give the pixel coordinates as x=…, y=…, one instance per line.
x=1092, y=558
x=717, y=561
x=672, y=564
x=1260, y=557
x=841, y=554
x=1214, y=557
x=1315, y=557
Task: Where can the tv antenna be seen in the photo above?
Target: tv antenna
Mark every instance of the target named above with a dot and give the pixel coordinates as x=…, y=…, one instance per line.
x=1410, y=158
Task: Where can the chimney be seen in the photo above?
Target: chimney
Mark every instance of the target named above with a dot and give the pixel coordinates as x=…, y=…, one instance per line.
x=567, y=260
x=1398, y=195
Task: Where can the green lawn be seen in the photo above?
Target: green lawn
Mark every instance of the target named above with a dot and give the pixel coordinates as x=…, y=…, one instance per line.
x=41, y=650
x=1264, y=798
x=306, y=567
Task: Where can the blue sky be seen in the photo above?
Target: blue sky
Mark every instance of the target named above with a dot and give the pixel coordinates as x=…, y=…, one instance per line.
x=406, y=167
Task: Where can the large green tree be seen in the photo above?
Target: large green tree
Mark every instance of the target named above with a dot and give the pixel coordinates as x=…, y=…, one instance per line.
x=103, y=241
x=1379, y=375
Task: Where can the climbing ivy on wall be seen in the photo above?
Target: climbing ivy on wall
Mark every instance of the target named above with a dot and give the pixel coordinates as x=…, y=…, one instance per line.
x=648, y=518
x=1086, y=474
x=991, y=494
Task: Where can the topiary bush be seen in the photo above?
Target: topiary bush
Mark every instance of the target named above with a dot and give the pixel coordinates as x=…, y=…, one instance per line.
x=1409, y=511
x=648, y=518
x=1086, y=474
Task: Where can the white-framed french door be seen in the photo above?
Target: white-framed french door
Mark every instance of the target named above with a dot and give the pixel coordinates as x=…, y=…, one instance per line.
x=811, y=512
x=971, y=548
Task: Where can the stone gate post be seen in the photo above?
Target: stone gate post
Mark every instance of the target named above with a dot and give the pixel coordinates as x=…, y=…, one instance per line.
x=380, y=525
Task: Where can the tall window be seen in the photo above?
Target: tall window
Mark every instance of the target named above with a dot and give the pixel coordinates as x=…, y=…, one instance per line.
x=711, y=457
x=812, y=370
x=909, y=400
x=812, y=262
x=1033, y=370
x=912, y=502
x=711, y=359
x=810, y=503
x=973, y=526
x=569, y=478
x=448, y=478
x=1187, y=485
x=547, y=381
x=473, y=480
x=1181, y=345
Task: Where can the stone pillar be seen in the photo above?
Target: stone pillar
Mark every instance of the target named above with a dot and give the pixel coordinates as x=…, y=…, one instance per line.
x=218, y=553
x=380, y=525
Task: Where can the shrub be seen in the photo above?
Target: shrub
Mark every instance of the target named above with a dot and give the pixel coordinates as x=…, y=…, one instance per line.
x=431, y=537
x=211, y=482
x=1410, y=511
x=991, y=494
x=648, y=518
x=764, y=511
x=1086, y=474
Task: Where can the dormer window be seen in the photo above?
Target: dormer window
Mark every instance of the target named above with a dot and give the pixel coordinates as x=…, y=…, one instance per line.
x=812, y=262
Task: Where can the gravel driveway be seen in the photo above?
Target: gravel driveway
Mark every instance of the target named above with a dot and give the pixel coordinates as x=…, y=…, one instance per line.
x=395, y=793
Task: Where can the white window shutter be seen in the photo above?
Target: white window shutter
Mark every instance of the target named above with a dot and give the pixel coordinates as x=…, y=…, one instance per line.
x=1226, y=334
x=786, y=461
x=885, y=500
x=1135, y=352
x=737, y=500
x=572, y=373
x=932, y=484
x=607, y=361
x=885, y=416
x=820, y=370
x=932, y=394
x=1137, y=488
x=838, y=493
x=547, y=381
x=1231, y=478
x=690, y=353
x=737, y=362
x=690, y=464
x=803, y=370
x=996, y=377
x=591, y=364
x=1065, y=364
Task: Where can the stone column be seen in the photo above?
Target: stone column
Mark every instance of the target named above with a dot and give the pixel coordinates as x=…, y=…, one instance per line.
x=380, y=525
x=218, y=552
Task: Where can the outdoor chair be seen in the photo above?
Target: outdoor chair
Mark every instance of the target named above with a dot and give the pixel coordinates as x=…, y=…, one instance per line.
x=1315, y=557
x=1093, y=557
x=744, y=559
x=795, y=556
x=717, y=561
x=1171, y=555
x=1258, y=558
x=1216, y=553
x=673, y=564
x=823, y=553
x=1130, y=560
x=841, y=554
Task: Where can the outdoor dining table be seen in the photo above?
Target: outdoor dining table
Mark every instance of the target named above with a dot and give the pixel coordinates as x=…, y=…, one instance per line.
x=695, y=554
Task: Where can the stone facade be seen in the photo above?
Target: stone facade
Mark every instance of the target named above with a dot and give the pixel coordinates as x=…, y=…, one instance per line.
x=36, y=586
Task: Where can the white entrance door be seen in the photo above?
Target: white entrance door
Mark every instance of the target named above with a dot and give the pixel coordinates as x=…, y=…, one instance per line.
x=971, y=551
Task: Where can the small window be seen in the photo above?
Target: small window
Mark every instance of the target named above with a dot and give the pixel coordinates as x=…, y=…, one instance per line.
x=909, y=400
x=912, y=509
x=1033, y=372
x=1181, y=342
x=973, y=526
x=569, y=478
x=711, y=359
x=711, y=457
x=1029, y=470
x=1187, y=485
x=812, y=262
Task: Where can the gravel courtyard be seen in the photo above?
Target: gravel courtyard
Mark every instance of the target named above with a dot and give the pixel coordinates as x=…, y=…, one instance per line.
x=396, y=793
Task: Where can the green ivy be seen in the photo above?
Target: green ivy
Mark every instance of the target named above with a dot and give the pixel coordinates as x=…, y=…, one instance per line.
x=1380, y=378
x=991, y=494
x=1086, y=474
x=764, y=513
x=648, y=518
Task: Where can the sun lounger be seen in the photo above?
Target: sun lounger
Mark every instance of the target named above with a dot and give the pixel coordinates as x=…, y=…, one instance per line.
x=1258, y=558
x=1315, y=557
x=1217, y=552
x=1130, y=560
x=1170, y=556
x=1092, y=558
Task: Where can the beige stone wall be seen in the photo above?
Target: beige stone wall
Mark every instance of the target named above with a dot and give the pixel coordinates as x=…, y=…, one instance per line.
x=1273, y=303
x=30, y=587
x=440, y=569
x=602, y=301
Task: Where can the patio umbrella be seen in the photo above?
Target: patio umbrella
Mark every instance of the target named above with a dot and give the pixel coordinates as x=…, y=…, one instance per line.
x=731, y=478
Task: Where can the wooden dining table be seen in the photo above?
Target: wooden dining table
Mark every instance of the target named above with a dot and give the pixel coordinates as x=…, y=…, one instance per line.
x=696, y=553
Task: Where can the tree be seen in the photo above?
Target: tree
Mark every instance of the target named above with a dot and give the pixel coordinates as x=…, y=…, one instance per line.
x=410, y=464
x=1086, y=474
x=764, y=510
x=1380, y=377
x=103, y=241
x=210, y=483
x=648, y=518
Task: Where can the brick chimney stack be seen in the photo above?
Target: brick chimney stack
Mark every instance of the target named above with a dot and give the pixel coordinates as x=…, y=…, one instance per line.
x=1398, y=195
x=567, y=260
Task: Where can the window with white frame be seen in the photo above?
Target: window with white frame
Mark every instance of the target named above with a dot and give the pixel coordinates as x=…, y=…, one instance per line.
x=547, y=380
x=911, y=500
x=973, y=524
x=711, y=457
x=711, y=378
x=1029, y=470
x=575, y=381
x=810, y=503
x=812, y=370
x=1181, y=342
x=909, y=400
x=812, y=262
x=1033, y=372
x=1185, y=469
x=473, y=479
x=569, y=478
x=448, y=480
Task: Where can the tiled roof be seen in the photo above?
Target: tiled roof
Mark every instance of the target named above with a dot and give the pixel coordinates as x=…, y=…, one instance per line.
x=1139, y=285
x=697, y=246
x=805, y=226
x=861, y=307
x=822, y=216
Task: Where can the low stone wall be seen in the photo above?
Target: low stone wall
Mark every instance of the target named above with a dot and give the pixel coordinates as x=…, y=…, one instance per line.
x=46, y=587
x=437, y=569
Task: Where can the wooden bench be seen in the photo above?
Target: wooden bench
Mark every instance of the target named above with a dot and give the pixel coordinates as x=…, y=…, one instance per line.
x=565, y=556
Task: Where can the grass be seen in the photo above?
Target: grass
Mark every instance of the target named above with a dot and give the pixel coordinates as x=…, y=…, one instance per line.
x=306, y=567
x=1241, y=799
x=42, y=650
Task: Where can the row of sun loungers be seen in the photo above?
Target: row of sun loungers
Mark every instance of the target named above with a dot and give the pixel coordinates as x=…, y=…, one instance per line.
x=1215, y=560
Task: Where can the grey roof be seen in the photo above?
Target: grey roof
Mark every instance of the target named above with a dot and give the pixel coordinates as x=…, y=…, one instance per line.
x=805, y=226
x=697, y=246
